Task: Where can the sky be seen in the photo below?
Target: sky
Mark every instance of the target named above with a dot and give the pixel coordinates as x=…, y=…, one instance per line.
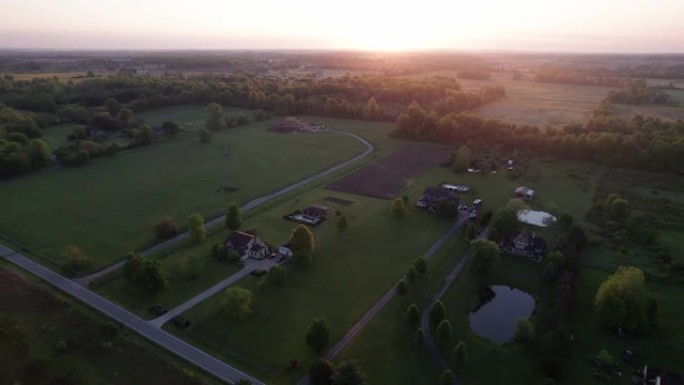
x=511, y=25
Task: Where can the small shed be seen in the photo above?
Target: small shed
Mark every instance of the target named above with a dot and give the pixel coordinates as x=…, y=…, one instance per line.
x=523, y=192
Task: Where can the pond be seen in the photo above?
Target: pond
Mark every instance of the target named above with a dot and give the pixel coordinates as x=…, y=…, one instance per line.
x=498, y=311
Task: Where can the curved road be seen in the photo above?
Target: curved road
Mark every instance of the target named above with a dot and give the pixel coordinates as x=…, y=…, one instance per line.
x=165, y=340
x=246, y=207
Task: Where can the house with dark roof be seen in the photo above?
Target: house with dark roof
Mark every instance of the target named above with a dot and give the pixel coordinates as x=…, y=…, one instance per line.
x=432, y=196
x=316, y=211
x=524, y=243
x=246, y=245
x=656, y=376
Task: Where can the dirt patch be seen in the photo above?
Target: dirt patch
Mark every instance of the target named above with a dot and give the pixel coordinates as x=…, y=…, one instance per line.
x=339, y=201
x=10, y=281
x=386, y=177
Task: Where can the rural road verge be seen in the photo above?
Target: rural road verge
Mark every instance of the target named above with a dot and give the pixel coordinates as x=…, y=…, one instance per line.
x=180, y=348
x=254, y=203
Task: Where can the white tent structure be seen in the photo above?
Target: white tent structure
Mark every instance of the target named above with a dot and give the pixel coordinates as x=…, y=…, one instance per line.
x=537, y=218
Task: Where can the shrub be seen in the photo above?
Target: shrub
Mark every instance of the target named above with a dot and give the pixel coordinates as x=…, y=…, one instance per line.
x=166, y=228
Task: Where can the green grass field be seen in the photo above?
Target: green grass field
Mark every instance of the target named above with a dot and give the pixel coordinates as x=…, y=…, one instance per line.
x=386, y=349
x=56, y=136
x=354, y=268
x=108, y=207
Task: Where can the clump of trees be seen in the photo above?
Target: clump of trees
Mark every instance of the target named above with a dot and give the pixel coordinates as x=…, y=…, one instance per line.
x=318, y=335
x=621, y=299
x=323, y=372
x=148, y=273
x=77, y=261
x=166, y=228
x=20, y=149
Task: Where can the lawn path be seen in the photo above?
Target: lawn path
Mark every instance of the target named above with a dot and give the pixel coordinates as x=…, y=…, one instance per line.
x=375, y=309
x=182, y=349
x=84, y=281
x=250, y=265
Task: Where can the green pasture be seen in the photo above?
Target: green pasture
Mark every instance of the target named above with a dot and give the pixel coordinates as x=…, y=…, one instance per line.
x=109, y=206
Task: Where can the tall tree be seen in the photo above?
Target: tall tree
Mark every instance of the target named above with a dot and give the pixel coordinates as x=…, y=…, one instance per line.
x=76, y=262
x=215, y=121
x=302, y=239
x=318, y=335
x=194, y=265
x=237, y=302
x=233, y=220
x=196, y=227
x=321, y=372
x=171, y=128
x=620, y=300
x=421, y=265
x=349, y=373
x=398, y=208
x=485, y=257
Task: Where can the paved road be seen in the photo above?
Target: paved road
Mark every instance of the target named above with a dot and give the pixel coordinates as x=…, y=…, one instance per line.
x=425, y=317
x=373, y=311
x=165, y=340
x=246, y=207
x=250, y=264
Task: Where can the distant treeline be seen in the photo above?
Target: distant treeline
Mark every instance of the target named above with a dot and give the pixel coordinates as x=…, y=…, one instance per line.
x=106, y=105
x=342, y=97
x=643, y=143
x=566, y=77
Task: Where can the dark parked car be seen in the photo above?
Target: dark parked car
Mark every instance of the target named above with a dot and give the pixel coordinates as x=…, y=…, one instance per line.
x=258, y=272
x=157, y=310
x=180, y=322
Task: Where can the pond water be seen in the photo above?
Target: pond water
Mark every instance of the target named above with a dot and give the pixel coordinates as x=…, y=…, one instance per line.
x=498, y=311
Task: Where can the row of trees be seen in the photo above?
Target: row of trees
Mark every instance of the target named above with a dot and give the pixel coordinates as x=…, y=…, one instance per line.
x=645, y=143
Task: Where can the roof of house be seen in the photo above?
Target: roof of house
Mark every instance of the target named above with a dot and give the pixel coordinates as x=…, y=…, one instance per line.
x=524, y=190
x=257, y=247
x=522, y=237
x=437, y=193
x=316, y=210
x=239, y=240
x=653, y=375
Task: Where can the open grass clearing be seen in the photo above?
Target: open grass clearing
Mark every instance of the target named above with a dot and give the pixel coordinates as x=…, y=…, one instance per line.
x=108, y=208
x=351, y=270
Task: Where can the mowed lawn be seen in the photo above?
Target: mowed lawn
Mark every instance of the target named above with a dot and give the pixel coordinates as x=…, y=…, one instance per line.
x=351, y=271
x=386, y=349
x=108, y=207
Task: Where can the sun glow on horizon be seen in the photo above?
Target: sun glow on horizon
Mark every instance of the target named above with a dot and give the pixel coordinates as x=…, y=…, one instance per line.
x=354, y=24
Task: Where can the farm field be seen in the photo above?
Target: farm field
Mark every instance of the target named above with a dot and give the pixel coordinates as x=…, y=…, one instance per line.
x=533, y=103
x=108, y=207
x=355, y=267
x=389, y=175
x=552, y=104
x=47, y=337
